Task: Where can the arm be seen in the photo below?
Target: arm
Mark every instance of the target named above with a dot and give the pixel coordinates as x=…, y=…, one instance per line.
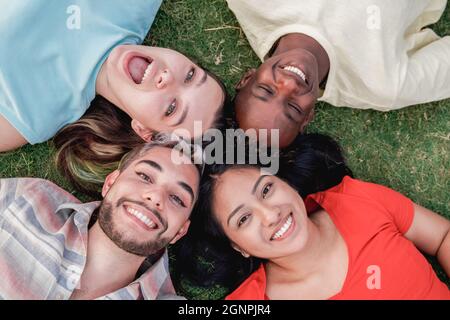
x=8, y=188
x=11, y=138
x=427, y=75
x=430, y=232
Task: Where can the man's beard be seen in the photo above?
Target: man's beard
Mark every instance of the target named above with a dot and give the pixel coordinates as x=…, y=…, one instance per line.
x=106, y=223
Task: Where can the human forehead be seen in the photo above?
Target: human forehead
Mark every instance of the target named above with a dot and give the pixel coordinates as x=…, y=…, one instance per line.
x=167, y=161
x=263, y=115
x=237, y=181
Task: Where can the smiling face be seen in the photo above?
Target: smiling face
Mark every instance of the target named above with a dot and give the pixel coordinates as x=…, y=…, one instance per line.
x=261, y=215
x=280, y=94
x=148, y=204
x=160, y=89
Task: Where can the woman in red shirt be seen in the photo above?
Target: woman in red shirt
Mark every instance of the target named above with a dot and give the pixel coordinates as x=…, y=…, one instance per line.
x=355, y=240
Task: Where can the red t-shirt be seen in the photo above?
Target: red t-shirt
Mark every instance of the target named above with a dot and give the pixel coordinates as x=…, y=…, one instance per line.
x=383, y=264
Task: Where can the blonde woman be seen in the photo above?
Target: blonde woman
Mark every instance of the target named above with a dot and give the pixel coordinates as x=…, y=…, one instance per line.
x=51, y=72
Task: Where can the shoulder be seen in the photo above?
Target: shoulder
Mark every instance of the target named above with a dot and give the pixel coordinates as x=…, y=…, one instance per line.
x=352, y=192
x=33, y=190
x=356, y=187
x=32, y=185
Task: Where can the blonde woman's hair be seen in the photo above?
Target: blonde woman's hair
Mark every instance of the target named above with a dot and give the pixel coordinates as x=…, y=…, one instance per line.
x=89, y=149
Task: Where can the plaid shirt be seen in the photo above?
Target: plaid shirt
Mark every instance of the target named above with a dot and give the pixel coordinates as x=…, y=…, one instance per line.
x=43, y=245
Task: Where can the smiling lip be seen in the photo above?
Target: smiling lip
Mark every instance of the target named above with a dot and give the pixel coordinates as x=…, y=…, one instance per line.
x=143, y=217
x=298, y=73
x=126, y=62
x=289, y=228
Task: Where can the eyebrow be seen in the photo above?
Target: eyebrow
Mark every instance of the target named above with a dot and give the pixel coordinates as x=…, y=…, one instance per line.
x=289, y=117
x=188, y=189
x=233, y=213
x=260, y=97
x=182, y=118
x=152, y=164
x=285, y=112
x=203, y=79
x=258, y=182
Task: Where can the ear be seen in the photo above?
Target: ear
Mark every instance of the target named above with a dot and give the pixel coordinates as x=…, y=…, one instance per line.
x=109, y=181
x=141, y=130
x=245, y=79
x=238, y=249
x=183, y=230
x=308, y=119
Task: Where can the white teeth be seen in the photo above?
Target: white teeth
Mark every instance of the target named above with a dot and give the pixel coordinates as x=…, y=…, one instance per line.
x=147, y=71
x=141, y=217
x=283, y=229
x=296, y=70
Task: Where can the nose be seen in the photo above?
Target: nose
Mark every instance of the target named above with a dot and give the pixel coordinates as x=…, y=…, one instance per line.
x=270, y=215
x=287, y=84
x=155, y=197
x=163, y=79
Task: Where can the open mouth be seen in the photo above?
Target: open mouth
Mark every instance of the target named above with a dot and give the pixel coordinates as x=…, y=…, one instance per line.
x=142, y=217
x=139, y=68
x=285, y=230
x=299, y=73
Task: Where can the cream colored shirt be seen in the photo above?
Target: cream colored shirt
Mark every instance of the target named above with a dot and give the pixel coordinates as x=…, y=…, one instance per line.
x=381, y=56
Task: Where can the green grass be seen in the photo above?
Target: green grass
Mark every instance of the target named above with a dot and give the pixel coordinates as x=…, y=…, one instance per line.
x=407, y=150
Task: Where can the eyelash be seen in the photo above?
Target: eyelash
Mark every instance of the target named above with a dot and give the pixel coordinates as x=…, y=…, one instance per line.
x=178, y=201
x=190, y=75
x=267, y=90
x=296, y=107
x=144, y=177
x=173, y=105
x=171, y=109
x=267, y=187
x=241, y=220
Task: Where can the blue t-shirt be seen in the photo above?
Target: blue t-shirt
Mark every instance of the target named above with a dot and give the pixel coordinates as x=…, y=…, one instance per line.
x=51, y=52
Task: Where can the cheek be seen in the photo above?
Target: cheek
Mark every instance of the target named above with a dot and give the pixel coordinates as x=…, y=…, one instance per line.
x=143, y=107
x=287, y=137
x=256, y=116
x=250, y=239
x=242, y=116
x=175, y=220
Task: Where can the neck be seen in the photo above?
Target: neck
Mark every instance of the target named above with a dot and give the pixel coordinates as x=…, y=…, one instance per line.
x=102, y=87
x=101, y=82
x=312, y=259
x=294, y=41
x=108, y=268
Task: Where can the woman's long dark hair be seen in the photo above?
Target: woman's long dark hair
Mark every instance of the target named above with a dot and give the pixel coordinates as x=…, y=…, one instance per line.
x=204, y=257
